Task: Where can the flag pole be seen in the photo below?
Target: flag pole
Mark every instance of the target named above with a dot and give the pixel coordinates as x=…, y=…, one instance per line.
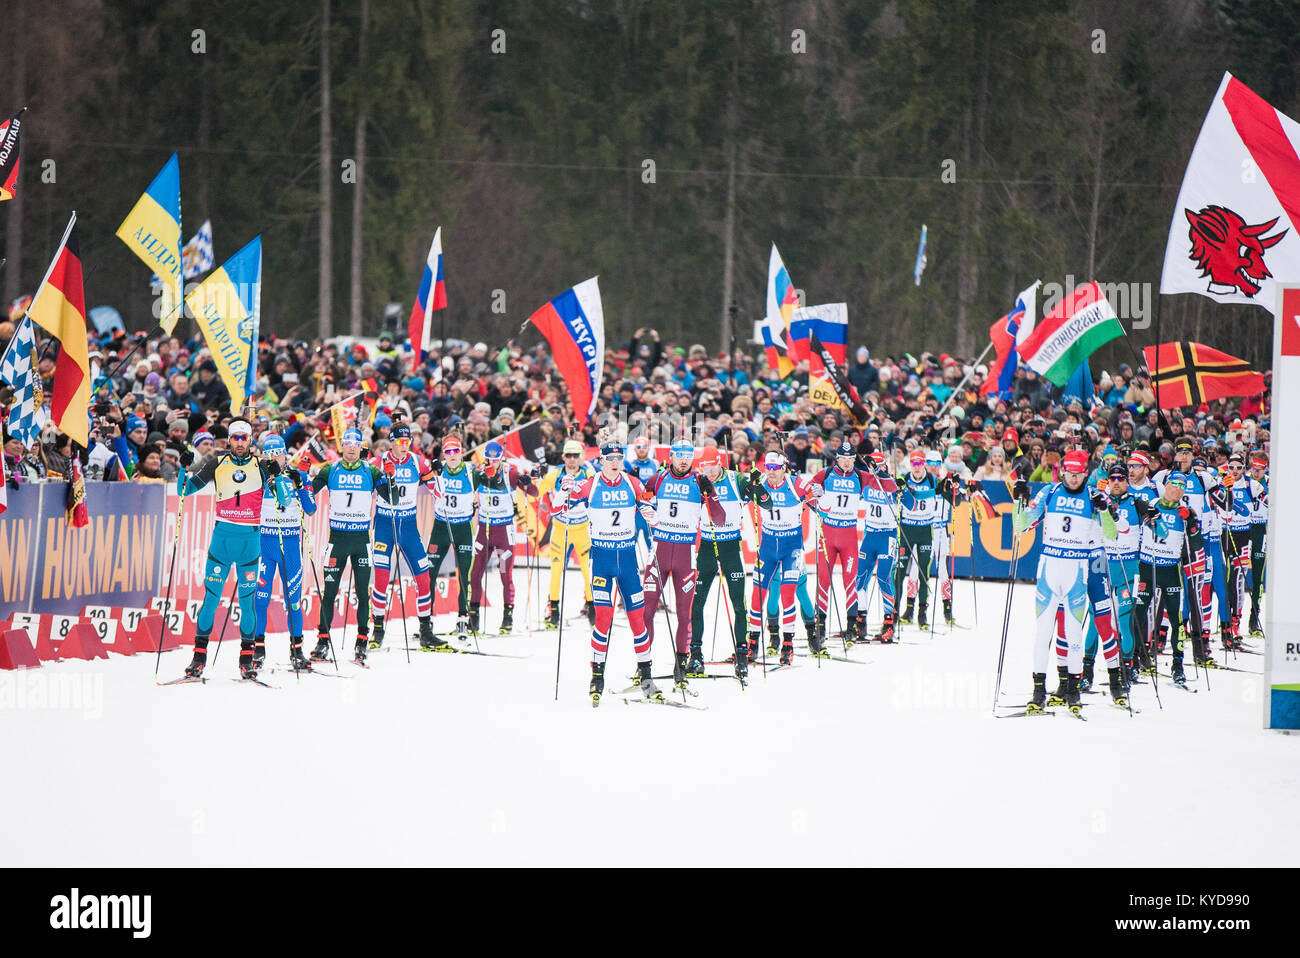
x=1155, y=383
x=965, y=379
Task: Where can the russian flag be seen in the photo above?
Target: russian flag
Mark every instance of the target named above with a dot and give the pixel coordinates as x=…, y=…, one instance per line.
x=432, y=295
x=574, y=324
x=1006, y=334
x=829, y=322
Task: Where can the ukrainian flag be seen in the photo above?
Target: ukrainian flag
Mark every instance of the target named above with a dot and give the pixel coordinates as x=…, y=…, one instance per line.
x=153, y=232
x=228, y=308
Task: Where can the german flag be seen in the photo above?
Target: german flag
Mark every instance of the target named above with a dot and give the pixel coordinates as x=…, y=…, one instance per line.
x=1188, y=374
x=59, y=308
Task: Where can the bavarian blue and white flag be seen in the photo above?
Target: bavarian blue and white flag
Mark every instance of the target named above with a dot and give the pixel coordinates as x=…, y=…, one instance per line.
x=197, y=256
x=28, y=414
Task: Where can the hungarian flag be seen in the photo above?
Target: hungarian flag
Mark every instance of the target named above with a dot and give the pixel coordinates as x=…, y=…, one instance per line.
x=59, y=308
x=9, y=156
x=1075, y=328
x=1234, y=226
x=1188, y=374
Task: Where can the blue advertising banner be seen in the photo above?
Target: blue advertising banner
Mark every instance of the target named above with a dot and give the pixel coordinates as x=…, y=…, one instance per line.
x=46, y=565
x=989, y=553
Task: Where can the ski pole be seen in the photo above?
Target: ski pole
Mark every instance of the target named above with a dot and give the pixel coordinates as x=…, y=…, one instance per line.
x=559, y=639
x=347, y=590
x=974, y=593
x=395, y=557
x=320, y=593
x=171, y=571
x=1006, y=615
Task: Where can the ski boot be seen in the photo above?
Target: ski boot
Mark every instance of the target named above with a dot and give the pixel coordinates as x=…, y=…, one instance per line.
x=907, y=618
x=552, y=616
x=1117, y=690
x=679, y=670
x=741, y=664
x=590, y=609
x=507, y=619
x=359, y=652
x=787, y=649
x=1126, y=676
x=1229, y=643
x=428, y=641
x=195, y=669
x=695, y=663
x=462, y=628
x=1085, y=680
x=1037, y=701
x=817, y=638
x=247, y=667
x=1201, y=652
x=886, y=634
x=597, y=687
x=1180, y=677
x=259, y=652
x=647, y=683
x=857, y=629
x=377, y=633
x=473, y=618
x=922, y=619
x=1256, y=630
x=1072, y=695
x=773, y=639
x=322, y=651
x=947, y=613
x=752, y=647
x=297, y=661
x=1062, y=688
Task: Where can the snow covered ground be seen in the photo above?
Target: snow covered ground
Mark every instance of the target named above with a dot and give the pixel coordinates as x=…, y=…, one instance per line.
x=465, y=760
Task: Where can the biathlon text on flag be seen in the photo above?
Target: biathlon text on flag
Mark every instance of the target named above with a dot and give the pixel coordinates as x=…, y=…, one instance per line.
x=431, y=295
x=574, y=324
x=153, y=232
x=830, y=323
x=228, y=308
x=1070, y=333
x=59, y=307
x=781, y=304
x=1235, y=224
x=1189, y=374
x=9, y=131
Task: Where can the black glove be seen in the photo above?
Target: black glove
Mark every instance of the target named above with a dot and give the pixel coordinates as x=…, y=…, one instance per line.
x=187, y=457
x=270, y=467
x=754, y=476
x=296, y=478
x=1219, y=497
x=1100, y=502
x=1020, y=491
x=706, y=487
x=536, y=472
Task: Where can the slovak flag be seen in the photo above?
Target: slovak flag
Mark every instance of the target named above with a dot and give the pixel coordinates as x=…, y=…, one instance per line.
x=432, y=295
x=1007, y=334
x=574, y=324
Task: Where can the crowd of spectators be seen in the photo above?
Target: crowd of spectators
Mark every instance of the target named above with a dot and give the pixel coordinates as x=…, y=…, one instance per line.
x=167, y=405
